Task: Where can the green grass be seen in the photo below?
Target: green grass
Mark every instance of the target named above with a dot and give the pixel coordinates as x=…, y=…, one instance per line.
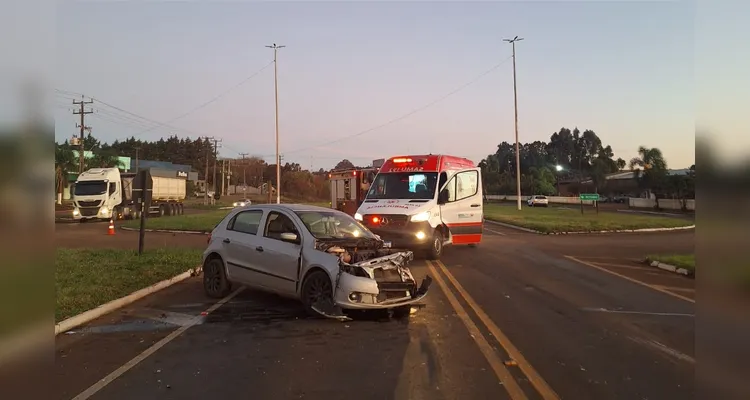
x=204, y=222
x=87, y=278
x=686, y=261
x=552, y=220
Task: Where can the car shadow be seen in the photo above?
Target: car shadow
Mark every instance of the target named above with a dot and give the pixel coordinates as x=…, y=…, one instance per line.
x=261, y=308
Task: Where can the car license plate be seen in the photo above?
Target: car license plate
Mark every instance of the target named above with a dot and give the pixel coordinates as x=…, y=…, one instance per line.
x=387, y=244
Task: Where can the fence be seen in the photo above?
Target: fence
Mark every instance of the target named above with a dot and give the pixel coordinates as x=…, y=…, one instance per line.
x=666, y=204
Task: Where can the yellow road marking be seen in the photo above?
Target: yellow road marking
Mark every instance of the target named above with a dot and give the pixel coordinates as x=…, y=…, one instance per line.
x=653, y=287
x=536, y=380
x=514, y=390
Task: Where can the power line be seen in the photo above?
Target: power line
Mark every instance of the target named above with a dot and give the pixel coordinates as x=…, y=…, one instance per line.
x=404, y=116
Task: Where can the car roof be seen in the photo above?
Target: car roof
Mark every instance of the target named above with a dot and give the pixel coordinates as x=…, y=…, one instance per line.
x=292, y=207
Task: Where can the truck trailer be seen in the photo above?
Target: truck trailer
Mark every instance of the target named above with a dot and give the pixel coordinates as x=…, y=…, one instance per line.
x=107, y=193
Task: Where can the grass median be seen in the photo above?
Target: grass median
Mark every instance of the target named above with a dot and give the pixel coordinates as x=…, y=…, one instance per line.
x=557, y=219
x=203, y=222
x=87, y=278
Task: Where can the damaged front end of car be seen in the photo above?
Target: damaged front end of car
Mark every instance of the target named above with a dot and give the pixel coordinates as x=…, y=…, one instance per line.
x=371, y=277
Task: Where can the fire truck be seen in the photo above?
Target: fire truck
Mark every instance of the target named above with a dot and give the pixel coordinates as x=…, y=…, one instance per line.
x=349, y=187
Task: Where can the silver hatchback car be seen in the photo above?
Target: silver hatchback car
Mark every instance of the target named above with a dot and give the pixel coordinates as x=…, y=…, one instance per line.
x=320, y=256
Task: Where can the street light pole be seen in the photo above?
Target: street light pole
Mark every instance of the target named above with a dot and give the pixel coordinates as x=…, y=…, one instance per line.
x=276, y=98
x=515, y=105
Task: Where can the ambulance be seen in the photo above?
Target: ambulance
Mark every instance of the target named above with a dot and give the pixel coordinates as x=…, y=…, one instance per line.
x=425, y=202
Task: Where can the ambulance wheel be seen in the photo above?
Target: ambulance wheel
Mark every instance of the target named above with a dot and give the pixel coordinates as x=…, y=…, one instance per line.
x=436, y=247
x=472, y=245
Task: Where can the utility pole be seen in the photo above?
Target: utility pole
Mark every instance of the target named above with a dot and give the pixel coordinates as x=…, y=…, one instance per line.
x=137, y=149
x=276, y=98
x=205, y=176
x=244, y=175
x=82, y=112
x=216, y=154
x=515, y=105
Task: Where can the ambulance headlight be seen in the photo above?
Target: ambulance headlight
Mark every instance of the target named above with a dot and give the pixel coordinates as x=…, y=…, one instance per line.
x=358, y=216
x=421, y=217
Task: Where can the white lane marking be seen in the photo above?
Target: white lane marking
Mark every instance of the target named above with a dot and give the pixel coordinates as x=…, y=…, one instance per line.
x=494, y=231
x=663, y=348
x=661, y=314
x=151, y=350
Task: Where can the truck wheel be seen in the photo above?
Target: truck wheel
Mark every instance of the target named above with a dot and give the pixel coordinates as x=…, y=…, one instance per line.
x=162, y=210
x=180, y=209
x=436, y=248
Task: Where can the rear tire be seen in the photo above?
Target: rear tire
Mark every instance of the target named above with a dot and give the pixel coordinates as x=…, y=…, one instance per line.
x=162, y=210
x=215, y=282
x=436, y=248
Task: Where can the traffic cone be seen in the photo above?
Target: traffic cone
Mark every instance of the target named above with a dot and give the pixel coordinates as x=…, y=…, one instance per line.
x=111, y=228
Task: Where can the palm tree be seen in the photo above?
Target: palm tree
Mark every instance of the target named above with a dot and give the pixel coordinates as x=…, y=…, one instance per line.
x=65, y=163
x=654, y=169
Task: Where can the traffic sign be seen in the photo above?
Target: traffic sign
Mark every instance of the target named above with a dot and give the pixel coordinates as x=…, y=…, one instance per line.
x=589, y=196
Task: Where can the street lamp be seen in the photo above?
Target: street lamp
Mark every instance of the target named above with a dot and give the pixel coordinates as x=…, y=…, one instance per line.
x=558, y=168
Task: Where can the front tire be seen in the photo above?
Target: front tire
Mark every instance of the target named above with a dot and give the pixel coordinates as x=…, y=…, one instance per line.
x=215, y=282
x=436, y=248
x=316, y=288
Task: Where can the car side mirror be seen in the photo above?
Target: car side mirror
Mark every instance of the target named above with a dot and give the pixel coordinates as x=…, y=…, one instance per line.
x=443, y=196
x=289, y=237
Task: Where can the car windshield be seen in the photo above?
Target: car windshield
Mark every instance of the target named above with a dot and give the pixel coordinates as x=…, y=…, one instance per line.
x=404, y=185
x=90, y=188
x=333, y=225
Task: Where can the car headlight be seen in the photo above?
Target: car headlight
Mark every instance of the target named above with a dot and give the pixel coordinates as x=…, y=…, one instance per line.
x=423, y=216
x=358, y=216
x=235, y=204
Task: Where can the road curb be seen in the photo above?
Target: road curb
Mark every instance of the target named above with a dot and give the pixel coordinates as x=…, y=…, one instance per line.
x=669, y=268
x=644, y=230
x=90, y=315
x=166, y=231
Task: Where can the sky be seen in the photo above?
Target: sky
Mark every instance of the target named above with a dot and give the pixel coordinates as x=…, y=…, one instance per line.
x=388, y=78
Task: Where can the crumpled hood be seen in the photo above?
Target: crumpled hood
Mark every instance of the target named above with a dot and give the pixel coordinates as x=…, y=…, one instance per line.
x=405, y=207
x=397, y=261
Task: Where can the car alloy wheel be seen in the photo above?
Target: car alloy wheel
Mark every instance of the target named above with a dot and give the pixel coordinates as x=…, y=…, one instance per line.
x=215, y=282
x=318, y=288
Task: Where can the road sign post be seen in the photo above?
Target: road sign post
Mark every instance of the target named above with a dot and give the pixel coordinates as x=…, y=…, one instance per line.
x=589, y=197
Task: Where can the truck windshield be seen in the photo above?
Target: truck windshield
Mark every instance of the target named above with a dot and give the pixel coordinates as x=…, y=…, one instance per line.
x=90, y=188
x=404, y=185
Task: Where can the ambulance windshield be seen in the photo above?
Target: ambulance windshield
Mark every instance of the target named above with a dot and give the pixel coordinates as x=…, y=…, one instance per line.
x=404, y=185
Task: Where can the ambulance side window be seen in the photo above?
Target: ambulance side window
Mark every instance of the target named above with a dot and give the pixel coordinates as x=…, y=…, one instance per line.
x=466, y=184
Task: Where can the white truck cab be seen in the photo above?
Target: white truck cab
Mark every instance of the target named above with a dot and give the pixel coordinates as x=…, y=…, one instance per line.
x=424, y=202
x=96, y=194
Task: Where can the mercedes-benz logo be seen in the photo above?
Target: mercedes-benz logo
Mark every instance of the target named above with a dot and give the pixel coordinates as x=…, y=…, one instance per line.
x=384, y=221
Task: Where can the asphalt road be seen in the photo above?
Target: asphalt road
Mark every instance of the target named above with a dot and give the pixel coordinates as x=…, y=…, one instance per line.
x=520, y=316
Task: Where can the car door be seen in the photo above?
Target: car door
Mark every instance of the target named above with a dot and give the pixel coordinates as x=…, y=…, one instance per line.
x=279, y=259
x=240, y=243
x=462, y=210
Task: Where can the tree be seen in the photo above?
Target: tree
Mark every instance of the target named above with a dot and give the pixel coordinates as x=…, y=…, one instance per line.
x=344, y=164
x=621, y=164
x=654, y=173
x=65, y=163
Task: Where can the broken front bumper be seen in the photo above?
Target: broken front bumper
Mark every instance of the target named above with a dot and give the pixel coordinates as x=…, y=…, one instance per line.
x=354, y=292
